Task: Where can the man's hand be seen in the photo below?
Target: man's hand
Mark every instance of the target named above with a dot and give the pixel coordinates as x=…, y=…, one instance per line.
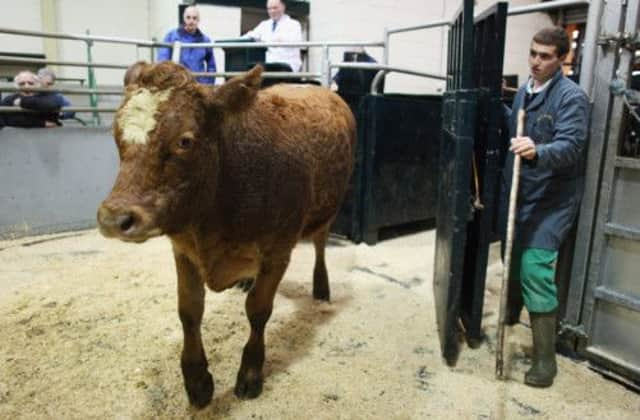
x=50, y=124
x=523, y=146
x=16, y=102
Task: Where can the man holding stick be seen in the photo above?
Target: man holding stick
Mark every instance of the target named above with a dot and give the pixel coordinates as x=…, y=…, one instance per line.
x=552, y=153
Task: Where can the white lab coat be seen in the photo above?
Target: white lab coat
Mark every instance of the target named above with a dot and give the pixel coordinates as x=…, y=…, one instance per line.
x=287, y=30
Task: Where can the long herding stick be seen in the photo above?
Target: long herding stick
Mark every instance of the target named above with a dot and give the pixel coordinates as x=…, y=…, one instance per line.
x=513, y=197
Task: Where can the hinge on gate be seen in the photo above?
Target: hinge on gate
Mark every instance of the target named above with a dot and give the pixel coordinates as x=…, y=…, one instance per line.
x=628, y=40
x=576, y=331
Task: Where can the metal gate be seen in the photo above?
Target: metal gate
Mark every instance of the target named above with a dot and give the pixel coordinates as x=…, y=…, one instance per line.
x=603, y=309
x=470, y=112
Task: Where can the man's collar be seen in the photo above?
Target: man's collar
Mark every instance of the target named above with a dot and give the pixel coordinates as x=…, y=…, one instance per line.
x=532, y=90
x=185, y=32
x=282, y=18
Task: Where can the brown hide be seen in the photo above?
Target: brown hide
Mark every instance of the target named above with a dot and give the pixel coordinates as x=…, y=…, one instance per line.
x=235, y=176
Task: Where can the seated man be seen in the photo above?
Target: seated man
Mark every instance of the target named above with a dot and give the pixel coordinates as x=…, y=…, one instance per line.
x=45, y=103
x=48, y=79
x=280, y=27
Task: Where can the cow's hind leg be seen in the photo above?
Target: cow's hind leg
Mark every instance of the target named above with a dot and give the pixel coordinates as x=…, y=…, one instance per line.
x=198, y=381
x=320, y=276
x=258, y=305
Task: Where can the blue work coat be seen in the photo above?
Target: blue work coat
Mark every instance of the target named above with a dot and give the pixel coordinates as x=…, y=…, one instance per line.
x=192, y=58
x=550, y=186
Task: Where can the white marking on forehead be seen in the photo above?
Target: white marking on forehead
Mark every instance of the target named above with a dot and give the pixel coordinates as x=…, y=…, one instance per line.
x=137, y=117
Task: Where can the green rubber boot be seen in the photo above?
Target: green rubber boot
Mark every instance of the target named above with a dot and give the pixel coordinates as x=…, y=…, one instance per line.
x=544, y=368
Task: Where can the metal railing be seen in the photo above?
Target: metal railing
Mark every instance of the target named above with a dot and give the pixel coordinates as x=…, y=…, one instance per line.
x=324, y=75
x=92, y=91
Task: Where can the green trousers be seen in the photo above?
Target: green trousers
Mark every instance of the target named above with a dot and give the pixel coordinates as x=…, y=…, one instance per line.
x=534, y=269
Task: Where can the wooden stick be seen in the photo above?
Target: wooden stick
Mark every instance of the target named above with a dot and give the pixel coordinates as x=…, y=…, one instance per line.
x=511, y=221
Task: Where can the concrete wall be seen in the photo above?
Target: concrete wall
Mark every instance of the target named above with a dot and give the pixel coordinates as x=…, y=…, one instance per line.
x=53, y=179
x=21, y=15
x=362, y=20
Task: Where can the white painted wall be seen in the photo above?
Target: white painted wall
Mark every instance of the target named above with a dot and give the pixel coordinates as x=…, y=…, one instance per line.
x=365, y=20
x=220, y=23
x=23, y=14
x=520, y=30
x=115, y=18
x=360, y=20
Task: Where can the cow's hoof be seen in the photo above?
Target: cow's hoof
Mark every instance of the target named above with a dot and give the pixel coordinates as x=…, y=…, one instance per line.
x=321, y=294
x=200, y=390
x=321, y=283
x=248, y=385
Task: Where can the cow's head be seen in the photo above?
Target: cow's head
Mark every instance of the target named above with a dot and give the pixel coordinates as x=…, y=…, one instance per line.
x=168, y=131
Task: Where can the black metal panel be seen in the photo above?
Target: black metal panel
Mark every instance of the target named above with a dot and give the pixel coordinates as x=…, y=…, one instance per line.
x=454, y=211
x=472, y=115
x=458, y=126
x=401, y=161
x=490, y=29
x=396, y=171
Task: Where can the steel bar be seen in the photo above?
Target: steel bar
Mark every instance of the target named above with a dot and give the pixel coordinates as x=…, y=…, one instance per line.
x=15, y=60
x=15, y=109
x=546, y=6
x=8, y=87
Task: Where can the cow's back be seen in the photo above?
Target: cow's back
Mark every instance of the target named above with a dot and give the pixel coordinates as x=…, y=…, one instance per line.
x=288, y=160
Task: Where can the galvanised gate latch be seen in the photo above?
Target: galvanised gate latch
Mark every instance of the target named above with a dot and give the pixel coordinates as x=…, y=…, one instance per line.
x=628, y=40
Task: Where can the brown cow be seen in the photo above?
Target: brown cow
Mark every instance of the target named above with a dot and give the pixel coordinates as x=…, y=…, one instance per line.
x=234, y=176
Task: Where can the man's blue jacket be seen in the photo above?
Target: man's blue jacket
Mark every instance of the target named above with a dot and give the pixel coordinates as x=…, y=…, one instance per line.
x=192, y=58
x=551, y=185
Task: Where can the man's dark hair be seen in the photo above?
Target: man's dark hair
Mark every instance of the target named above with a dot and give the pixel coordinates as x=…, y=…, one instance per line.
x=555, y=36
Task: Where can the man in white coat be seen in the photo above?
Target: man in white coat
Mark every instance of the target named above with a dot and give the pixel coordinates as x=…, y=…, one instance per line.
x=280, y=27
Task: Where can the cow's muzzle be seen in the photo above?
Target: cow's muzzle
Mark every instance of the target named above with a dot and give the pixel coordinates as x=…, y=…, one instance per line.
x=128, y=223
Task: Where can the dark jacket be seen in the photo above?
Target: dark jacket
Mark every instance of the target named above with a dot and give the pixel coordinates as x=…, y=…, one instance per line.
x=62, y=101
x=551, y=185
x=45, y=103
x=192, y=58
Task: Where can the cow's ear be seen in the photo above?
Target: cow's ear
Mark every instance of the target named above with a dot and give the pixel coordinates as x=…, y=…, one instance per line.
x=238, y=93
x=134, y=71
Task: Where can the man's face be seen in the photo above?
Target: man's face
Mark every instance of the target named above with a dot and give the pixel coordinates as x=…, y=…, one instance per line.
x=275, y=9
x=46, y=81
x=543, y=61
x=26, y=80
x=191, y=18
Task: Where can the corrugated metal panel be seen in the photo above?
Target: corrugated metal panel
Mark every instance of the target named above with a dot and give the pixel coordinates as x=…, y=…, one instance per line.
x=576, y=15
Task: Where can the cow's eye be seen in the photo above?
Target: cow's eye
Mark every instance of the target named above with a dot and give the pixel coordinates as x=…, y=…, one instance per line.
x=185, y=143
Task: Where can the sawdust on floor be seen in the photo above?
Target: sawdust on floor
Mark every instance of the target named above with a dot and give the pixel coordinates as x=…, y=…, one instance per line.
x=89, y=329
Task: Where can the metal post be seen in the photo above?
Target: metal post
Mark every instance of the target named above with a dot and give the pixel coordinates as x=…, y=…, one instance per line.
x=93, y=98
x=590, y=48
x=326, y=66
x=175, y=54
x=152, y=50
x=385, y=51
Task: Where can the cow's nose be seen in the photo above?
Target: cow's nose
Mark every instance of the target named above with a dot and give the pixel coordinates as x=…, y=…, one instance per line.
x=115, y=222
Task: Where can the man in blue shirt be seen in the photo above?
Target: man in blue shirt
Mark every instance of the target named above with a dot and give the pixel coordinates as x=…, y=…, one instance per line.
x=195, y=59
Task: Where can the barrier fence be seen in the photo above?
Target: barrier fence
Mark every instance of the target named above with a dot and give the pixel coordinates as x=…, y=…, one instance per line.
x=324, y=75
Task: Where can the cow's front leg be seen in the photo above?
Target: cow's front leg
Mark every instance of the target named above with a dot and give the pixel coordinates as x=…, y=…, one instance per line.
x=258, y=305
x=197, y=380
